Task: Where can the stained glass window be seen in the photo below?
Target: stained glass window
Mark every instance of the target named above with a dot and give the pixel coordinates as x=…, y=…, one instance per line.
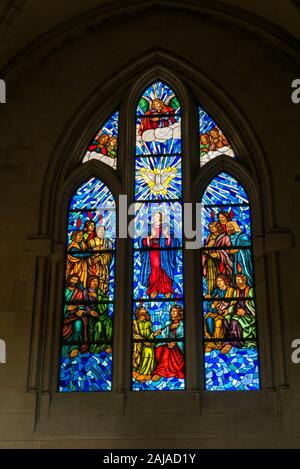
x=212, y=140
x=228, y=307
x=87, y=324
x=228, y=301
x=104, y=146
x=158, y=309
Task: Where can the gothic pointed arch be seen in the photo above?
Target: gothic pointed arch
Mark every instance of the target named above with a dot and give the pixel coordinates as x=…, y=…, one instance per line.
x=158, y=161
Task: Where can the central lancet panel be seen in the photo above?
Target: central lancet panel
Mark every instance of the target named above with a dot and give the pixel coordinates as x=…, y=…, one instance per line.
x=158, y=307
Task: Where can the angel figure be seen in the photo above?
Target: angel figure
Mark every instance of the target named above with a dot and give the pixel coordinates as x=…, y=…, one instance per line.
x=159, y=123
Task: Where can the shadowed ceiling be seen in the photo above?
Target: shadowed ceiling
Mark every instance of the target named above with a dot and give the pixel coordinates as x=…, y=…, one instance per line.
x=23, y=21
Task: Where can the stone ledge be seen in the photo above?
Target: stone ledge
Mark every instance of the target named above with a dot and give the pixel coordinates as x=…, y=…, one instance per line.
x=43, y=246
x=162, y=403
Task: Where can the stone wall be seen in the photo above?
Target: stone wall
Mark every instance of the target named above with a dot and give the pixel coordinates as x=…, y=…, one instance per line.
x=48, y=99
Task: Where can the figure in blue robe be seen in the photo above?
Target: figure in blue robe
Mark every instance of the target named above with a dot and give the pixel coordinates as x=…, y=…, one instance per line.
x=242, y=259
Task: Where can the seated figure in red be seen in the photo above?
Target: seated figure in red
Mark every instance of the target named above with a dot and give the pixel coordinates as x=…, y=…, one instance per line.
x=169, y=356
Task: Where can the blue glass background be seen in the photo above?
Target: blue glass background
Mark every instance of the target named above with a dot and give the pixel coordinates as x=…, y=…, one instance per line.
x=164, y=384
x=87, y=372
x=224, y=189
x=92, y=195
x=110, y=127
x=235, y=371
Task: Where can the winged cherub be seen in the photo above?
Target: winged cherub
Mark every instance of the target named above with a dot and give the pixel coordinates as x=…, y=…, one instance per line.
x=159, y=122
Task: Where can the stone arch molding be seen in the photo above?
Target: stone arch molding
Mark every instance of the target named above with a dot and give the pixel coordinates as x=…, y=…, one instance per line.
x=86, y=119
x=122, y=10
x=64, y=174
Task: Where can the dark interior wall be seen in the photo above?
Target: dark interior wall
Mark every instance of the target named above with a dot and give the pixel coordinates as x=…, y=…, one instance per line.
x=255, y=76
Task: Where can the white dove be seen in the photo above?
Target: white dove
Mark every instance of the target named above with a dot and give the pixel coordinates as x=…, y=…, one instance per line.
x=158, y=180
